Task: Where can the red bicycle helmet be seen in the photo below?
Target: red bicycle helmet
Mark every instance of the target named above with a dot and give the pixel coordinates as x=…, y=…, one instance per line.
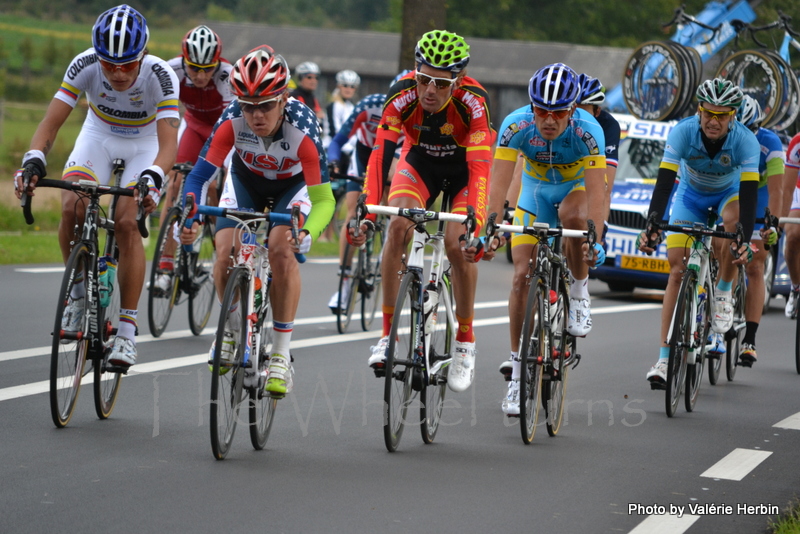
x=261, y=73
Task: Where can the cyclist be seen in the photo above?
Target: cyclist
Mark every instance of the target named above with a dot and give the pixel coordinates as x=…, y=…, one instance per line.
x=792, y=238
x=444, y=115
x=204, y=93
x=718, y=162
x=307, y=80
x=133, y=115
x=341, y=105
x=592, y=95
x=361, y=126
x=564, y=163
x=770, y=169
x=278, y=161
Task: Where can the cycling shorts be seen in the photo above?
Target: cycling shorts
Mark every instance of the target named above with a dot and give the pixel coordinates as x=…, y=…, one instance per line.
x=690, y=206
x=539, y=205
x=796, y=199
x=94, y=152
x=421, y=179
x=191, y=139
x=259, y=194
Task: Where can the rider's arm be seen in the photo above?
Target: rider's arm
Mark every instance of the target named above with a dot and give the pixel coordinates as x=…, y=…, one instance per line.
x=665, y=181
x=380, y=161
x=748, y=200
x=774, y=172
x=315, y=171
x=46, y=132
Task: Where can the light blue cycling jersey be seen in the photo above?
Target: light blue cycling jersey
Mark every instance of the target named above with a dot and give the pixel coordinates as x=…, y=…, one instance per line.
x=737, y=159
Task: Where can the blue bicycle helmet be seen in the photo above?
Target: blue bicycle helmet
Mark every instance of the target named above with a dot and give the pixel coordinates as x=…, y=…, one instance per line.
x=554, y=87
x=120, y=34
x=592, y=91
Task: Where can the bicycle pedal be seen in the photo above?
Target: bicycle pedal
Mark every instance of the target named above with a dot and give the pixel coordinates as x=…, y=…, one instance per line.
x=657, y=385
x=512, y=415
x=121, y=369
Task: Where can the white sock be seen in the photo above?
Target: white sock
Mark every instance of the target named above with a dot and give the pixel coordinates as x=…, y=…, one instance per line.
x=579, y=289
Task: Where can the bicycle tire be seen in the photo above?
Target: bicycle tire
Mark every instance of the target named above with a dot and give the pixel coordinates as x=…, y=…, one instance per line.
x=692, y=67
x=200, y=267
x=680, y=341
x=796, y=340
x=791, y=94
x=735, y=335
x=345, y=307
x=554, y=389
x=227, y=379
x=647, y=95
x=262, y=405
x=160, y=303
x=370, y=281
x=68, y=359
x=106, y=384
x=441, y=344
x=397, y=392
x=533, y=345
x=694, y=372
x=757, y=73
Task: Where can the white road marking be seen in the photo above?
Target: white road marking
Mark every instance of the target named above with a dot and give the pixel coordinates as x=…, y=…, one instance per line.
x=40, y=270
x=792, y=422
x=737, y=464
x=665, y=524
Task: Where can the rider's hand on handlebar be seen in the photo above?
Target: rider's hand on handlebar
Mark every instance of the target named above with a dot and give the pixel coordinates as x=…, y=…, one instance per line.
x=303, y=244
x=769, y=235
x=189, y=235
x=744, y=254
x=361, y=238
x=36, y=167
x=473, y=250
x=642, y=241
x=595, y=256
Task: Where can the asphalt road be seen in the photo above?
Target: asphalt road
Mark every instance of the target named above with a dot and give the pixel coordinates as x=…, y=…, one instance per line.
x=616, y=462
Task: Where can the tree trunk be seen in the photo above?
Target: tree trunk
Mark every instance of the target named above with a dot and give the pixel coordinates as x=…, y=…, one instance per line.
x=419, y=16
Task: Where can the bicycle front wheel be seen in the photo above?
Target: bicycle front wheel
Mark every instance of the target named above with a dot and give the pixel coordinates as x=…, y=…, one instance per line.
x=106, y=384
x=440, y=343
x=70, y=339
x=533, y=345
x=694, y=372
x=680, y=341
x=796, y=341
x=227, y=377
x=735, y=335
x=399, y=359
x=555, y=384
x=163, y=292
x=200, y=263
x=348, y=293
x=262, y=405
x=369, y=284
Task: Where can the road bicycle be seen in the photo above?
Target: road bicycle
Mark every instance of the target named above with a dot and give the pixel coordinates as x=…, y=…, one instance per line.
x=187, y=271
x=690, y=326
x=794, y=296
x=246, y=303
x=546, y=349
x=423, y=331
x=766, y=74
x=93, y=338
x=362, y=280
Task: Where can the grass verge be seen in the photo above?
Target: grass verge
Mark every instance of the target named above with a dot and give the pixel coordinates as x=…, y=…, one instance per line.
x=789, y=522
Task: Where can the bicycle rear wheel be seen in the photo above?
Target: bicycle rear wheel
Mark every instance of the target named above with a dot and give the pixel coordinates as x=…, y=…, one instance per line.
x=440, y=343
x=796, y=341
x=348, y=292
x=262, y=405
x=161, y=300
x=653, y=81
x=70, y=348
x=680, y=341
x=694, y=373
x=227, y=378
x=397, y=391
x=534, y=343
x=369, y=284
x=106, y=384
x=735, y=335
x=554, y=386
x=758, y=75
x=200, y=264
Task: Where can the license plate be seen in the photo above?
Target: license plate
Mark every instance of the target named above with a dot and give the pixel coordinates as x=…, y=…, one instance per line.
x=641, y=263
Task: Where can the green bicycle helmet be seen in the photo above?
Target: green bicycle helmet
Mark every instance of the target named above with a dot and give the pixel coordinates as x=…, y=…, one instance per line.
x=441, y=49
x=720, y=92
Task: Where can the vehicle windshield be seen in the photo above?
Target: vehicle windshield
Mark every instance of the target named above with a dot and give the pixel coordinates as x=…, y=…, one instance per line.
x=640, y=158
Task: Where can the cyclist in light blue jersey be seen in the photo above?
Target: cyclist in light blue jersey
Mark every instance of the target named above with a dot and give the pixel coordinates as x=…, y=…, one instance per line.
x=718, y=162
x=564, y=163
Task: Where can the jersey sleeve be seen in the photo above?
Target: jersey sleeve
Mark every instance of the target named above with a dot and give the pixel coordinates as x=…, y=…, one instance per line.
x=479, y=143
x=168, y=91
x=509, y=139
x=386, y=138
x=675, y=146
x=76, y=77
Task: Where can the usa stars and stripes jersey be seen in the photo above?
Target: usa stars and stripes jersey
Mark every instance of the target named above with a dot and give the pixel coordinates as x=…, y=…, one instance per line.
x=793, y=156
x=203, y=105
x=131, y=113
x=362, y=123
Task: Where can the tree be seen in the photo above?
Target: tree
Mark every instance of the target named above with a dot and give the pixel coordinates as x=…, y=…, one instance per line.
x=419, y=16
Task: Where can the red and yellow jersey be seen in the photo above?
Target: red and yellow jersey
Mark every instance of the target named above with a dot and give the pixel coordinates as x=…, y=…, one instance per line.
x=459, y=132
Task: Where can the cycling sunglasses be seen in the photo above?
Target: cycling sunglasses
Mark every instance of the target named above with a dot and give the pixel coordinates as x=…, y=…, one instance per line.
x=556, y=113
x=130, y=66
x=441, y=83
x=201, y=68
x=719, y=115
x=265, y=106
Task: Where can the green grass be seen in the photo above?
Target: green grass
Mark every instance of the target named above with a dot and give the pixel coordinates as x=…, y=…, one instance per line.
x=789, y=523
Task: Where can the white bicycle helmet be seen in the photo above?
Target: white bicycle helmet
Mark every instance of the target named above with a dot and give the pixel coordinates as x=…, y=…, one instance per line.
x=307, y=67
x=348, y=77
x=720, y=92
x=202, y=46
x=750, y=113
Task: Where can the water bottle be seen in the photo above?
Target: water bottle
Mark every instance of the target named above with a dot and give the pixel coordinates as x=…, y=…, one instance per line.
x=259, y=297
x=102, y=282
x=701, y=298
x=553, y=304
x=430, y=302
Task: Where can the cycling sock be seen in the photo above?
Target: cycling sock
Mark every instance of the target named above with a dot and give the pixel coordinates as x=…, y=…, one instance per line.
x=281, y=336
x=388, y=315
x=750, y=332
x=465, y=332
x=663, y=353
x=127, y=324
x=78, y=290
x=167, y=263
x=724, y=286
x=579, y=289
x=516, y=366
